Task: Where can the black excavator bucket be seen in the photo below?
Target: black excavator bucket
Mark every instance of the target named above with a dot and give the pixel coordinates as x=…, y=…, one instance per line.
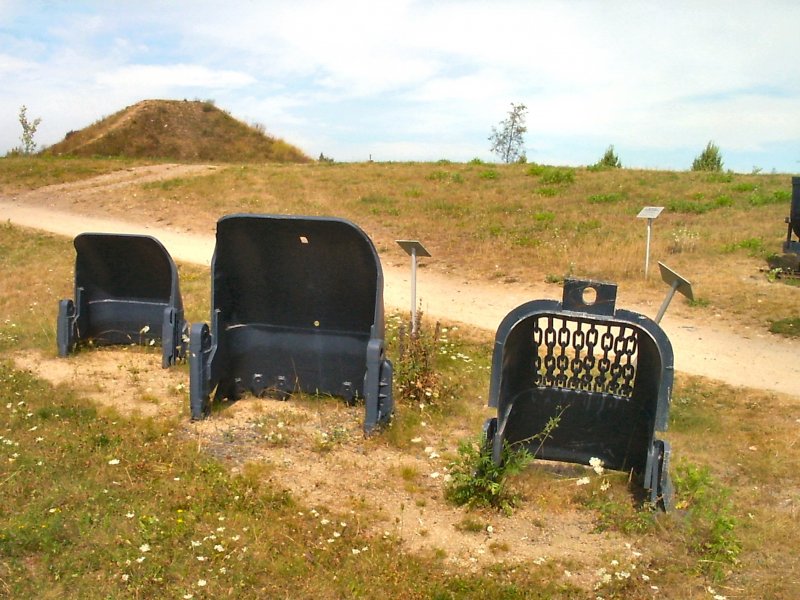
x=126, y=292
x=297, y=305
x=793, y=220
x=608, y=374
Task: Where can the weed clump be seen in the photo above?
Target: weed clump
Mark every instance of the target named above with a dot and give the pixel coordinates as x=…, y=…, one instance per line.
x=478, y=482
x=417, y=380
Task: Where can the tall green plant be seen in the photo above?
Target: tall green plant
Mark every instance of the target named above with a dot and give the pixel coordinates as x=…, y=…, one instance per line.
x=710, y=159
x=610, y=160
x=28, y=131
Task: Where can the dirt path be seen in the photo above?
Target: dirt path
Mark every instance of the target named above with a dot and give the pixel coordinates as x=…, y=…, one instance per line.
x=741, y=358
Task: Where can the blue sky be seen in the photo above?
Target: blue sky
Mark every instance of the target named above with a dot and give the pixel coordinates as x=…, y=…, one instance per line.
x=427, y=80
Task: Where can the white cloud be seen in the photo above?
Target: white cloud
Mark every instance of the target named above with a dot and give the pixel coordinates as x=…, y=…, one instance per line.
x=172, y=77
x=402, y=76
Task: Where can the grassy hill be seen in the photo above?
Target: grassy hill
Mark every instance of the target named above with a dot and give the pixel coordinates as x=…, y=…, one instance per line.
x=176, y=130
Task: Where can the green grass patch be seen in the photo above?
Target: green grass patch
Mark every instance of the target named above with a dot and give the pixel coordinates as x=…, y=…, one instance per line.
x=789, y=327
x=754, y=246
x=609, y=198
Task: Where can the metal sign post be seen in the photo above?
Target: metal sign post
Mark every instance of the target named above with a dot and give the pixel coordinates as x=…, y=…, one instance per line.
x=650, y=213
x=676, y=283
x=414, y=249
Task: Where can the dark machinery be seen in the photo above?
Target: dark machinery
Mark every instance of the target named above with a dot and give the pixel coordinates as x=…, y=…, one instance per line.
x=296, y=305
x=126, y=292
x=793, y=220
x=608, y=374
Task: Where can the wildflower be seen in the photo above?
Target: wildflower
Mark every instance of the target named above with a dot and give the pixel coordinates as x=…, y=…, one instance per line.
x=202, y=558
x=130, y=515
x=144, y=548
x=144, y=329
x=114, y=461
x=416, y=440
x=605, y=485
x=355, y=551
x=140, y=560
x=201, y=582
x=489, y=529
x=597, y=465
x=582, y=481
x=219, y=548
x=434, y=475
x=195, y=544
x=324, y=521
x=125, y=577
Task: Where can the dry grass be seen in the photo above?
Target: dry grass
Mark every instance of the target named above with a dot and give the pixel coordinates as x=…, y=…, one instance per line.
x=176, y=130
x=519, y=225
x=717, y=229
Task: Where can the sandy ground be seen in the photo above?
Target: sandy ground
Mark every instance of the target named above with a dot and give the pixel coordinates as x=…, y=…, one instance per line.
x=744, y=357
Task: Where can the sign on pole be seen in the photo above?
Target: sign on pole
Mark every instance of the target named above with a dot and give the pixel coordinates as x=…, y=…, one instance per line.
x=676, y=283
x=650, y=213
x=414, y=249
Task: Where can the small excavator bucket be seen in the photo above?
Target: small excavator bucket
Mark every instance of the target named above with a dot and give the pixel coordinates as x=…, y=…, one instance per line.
x=126, y=292
x=605, y=373
x=297, y=306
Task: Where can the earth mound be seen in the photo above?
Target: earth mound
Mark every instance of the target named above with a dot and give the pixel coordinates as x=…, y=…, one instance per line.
x=178, y=130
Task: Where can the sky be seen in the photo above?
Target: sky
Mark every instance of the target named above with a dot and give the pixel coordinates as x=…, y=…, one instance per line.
x=409, y=80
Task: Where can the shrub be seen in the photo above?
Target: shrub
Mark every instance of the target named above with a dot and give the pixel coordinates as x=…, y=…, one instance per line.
x=610, y=160
x=557, y=176
x=710, y=159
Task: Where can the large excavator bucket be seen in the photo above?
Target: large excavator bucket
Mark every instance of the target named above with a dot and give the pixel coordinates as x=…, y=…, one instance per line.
x=608, y=374
x=126, y=292
x=297, y=306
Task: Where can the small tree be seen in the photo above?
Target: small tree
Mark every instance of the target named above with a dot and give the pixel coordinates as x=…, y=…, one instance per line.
x=610, y=160
x=28, y=131
x=710, y=159
x=508, y=140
